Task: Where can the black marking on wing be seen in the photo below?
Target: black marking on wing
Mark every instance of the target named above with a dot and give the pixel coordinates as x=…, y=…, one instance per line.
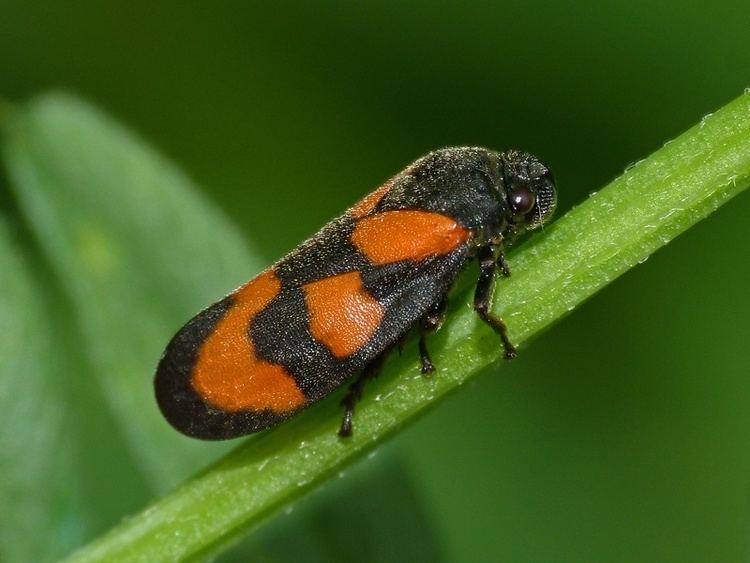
x=181, y=405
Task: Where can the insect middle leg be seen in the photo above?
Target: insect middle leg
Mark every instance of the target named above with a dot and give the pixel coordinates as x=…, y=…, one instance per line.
x=483, y=295
x=429, y=324
x=370, y=371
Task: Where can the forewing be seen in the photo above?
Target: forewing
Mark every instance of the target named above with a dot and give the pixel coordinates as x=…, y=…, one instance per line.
x=303, y=327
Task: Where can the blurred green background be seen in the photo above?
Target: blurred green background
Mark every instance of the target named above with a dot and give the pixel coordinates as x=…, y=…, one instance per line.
x=621, y=435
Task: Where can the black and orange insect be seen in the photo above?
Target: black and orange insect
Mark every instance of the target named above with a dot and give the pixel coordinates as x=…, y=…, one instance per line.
x=340, y=301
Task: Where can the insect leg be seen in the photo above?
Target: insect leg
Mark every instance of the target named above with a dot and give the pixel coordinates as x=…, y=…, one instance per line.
x=430, y=323
x=400, y=343
x=370, y=371
x=504, y=269
x=483, y=296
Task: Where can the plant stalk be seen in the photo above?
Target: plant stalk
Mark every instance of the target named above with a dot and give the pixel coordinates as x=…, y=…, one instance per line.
x=609, y=233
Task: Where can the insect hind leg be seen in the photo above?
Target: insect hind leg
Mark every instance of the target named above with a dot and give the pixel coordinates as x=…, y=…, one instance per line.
x=371, y=371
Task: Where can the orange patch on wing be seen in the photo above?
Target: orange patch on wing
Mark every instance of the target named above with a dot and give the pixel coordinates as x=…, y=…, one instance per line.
x=228, y=374
x=343, y=315
x=393, y=236
x=368, y=203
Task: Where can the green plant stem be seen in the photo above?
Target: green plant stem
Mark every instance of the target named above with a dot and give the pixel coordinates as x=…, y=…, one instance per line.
x=612, y=231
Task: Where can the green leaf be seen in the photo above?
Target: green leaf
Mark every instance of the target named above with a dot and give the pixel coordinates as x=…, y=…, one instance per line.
x=63, y=454
x=38, y=491
x=611, y=232
x=136, y=250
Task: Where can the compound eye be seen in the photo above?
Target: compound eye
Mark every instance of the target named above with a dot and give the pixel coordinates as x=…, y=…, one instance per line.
x=522, y=199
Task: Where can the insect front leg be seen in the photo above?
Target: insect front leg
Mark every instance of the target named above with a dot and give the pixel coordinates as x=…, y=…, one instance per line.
x=370, y=371
x=502, y=264
x=431, y=322
x=483, y=296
